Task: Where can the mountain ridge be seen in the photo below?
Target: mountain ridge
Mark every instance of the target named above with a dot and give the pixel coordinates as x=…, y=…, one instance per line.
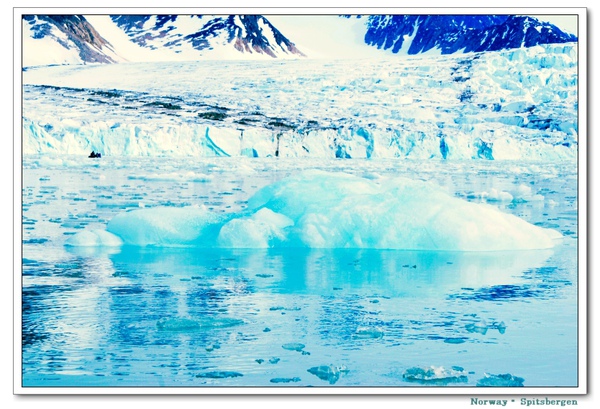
x=72, y=39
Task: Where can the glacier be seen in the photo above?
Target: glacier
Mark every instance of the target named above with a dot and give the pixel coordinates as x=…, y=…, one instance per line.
x=506, y=105
x=319, y=209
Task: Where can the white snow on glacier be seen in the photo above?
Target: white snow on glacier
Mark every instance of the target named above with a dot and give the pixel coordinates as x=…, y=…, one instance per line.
x=517, y=104
x=318, y=209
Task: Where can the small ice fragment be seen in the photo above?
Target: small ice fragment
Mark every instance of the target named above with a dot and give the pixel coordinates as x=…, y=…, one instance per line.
x=329, y=373
x=260, y=360
x=476, y=328
x=368, y=332
x=459, y=340
x=500, y=380
x=481, y=324
x=274, y=360
x=435, y=375
x=285, y=380
x=293, y=346
x=219, y=374
x=501, y=326
x=267, y=329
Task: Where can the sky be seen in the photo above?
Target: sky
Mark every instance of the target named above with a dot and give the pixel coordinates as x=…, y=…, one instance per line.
x=567, y=24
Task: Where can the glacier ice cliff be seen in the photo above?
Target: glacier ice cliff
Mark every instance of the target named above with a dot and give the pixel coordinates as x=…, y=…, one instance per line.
x=517, y=104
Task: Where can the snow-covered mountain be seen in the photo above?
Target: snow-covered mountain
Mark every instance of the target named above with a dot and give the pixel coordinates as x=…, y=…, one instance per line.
x=62, y=39
x=77, y=39
x=245, y=33
x=448, y=34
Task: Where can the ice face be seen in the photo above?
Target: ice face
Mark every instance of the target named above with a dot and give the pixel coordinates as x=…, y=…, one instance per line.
x=510, y=105
x=318, y=209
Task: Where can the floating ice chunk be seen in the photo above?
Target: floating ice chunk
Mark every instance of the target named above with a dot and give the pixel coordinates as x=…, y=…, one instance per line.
x=524, y=193
x=457, y=340
x=337, y=210
x=285, y=380
x=219, y=374
x=368, y=332
x=495, y=195
x=94, y=238
x=293, y=346
x=436, y=375
x=500, y=380
x=317, y=209
x=500, y=326
x=263, y=229
x=482, y=327
x=329, y=373
x=167, y=227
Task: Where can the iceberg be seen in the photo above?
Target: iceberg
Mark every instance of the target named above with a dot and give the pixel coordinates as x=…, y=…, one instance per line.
x=94, y=238
x=166, y=226
x=318, y=209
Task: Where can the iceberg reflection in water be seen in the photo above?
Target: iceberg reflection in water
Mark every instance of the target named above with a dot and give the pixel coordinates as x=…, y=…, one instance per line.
x=173, y=317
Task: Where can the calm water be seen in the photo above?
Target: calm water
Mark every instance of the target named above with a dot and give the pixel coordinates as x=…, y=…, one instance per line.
x=287, y=317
